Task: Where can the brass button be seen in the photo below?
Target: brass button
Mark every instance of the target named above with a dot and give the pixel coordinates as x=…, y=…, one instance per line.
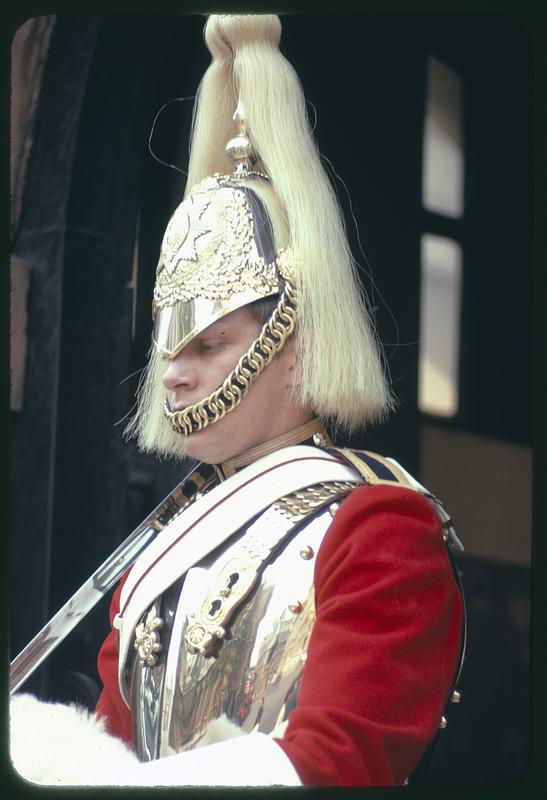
x=333, y=508
x=443, y=723
x=455, y=697
x=307, y=552
x=296, y=608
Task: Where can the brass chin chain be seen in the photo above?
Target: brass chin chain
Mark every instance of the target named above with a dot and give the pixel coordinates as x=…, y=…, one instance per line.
x=271, y=341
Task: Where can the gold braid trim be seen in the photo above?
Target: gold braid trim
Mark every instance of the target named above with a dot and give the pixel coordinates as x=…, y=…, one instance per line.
x=270, y=342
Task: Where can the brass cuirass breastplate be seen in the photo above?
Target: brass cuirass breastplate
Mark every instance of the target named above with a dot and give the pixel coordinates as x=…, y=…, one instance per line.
x=251, y=678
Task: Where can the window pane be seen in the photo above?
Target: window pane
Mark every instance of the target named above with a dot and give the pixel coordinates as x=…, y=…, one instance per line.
x=441, y=267
x=443, y=169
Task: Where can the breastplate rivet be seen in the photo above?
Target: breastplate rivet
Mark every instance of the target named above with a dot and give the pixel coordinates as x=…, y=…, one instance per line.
x=296, y=608
x=307, y=552
x=333, y=508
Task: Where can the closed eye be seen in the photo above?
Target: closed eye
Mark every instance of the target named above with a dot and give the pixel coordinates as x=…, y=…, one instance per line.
x=211, y=345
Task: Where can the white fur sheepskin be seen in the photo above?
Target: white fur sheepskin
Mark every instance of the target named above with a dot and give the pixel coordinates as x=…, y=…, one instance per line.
x=218, y=730
x=53, y=744
x=63, y=745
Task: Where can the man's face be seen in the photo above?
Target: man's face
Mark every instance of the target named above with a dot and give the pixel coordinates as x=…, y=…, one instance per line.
x=266, y=411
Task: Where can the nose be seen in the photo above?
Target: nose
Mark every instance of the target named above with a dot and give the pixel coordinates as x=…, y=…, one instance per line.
x=180, y=374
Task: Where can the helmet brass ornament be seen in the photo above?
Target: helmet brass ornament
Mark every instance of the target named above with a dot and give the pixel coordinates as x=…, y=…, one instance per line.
x=241, y=151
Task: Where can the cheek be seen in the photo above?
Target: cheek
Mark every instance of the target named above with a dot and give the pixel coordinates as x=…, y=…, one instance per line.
x=272, y=387
x=214, y=370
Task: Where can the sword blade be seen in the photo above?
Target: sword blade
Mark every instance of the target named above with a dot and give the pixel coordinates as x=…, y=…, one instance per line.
x=76, y=608
x=104, y=578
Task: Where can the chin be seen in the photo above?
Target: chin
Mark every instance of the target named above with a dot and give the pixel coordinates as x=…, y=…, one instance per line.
x=207, y=446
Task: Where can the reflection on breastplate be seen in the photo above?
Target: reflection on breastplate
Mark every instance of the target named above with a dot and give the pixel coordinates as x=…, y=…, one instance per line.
x=254, y=676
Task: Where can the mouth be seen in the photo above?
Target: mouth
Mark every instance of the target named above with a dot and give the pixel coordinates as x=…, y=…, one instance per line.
x=175, y=406
x=187, y=419
x=179, y=405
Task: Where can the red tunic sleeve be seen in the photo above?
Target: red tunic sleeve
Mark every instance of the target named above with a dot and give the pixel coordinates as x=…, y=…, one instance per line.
x=385, y=646
x=110, y=705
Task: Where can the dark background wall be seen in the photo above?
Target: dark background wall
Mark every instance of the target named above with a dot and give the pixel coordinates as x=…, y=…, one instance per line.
x=93, y=208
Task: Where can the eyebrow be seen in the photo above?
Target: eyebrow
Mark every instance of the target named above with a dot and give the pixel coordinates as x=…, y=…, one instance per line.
x=221, y=327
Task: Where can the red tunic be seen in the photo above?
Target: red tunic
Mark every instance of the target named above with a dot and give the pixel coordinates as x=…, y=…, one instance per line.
x=383, y=651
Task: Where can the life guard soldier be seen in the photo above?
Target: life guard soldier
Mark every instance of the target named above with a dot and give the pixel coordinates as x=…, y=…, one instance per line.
x=297, y=619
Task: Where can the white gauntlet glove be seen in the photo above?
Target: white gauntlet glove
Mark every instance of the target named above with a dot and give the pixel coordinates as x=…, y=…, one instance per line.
x=253, y=759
